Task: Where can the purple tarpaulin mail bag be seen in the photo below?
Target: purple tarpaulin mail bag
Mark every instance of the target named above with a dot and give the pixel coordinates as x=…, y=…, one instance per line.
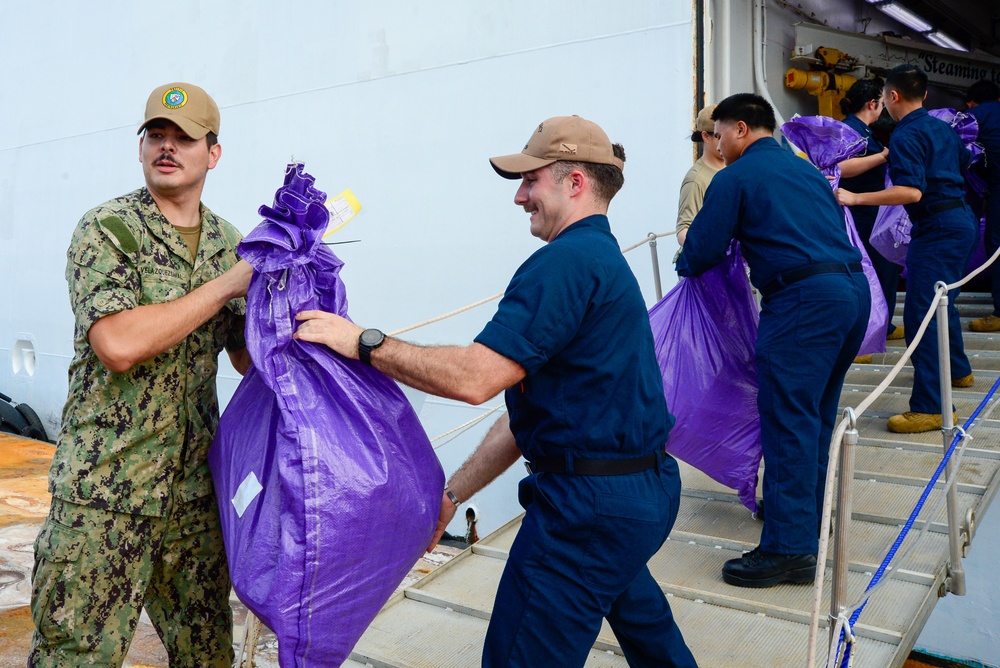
x=328, y=488
x=704, y=332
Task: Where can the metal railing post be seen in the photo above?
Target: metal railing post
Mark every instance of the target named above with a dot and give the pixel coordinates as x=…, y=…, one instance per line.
x=845, y=480
x=656, y=266
x=956, y=573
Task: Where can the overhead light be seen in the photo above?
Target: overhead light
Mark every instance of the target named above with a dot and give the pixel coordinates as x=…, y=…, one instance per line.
x=944, y=40
x=916, y=23
x=905, y=16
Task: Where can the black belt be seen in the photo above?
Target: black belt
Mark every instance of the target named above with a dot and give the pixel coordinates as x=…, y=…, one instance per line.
x=786, y=278
x=938, y=207
x=578, y=466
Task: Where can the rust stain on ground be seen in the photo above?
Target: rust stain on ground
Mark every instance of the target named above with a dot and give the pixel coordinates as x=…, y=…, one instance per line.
x=15, y=636
x=24, y=470
x=24, y=499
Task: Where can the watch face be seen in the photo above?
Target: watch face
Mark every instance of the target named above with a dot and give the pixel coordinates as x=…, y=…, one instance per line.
x=372, y=337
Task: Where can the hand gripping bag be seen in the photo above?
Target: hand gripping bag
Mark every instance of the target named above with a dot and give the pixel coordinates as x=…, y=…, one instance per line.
x=891, y=231
x=704, y=332
x=328, y=487
x=828, y=142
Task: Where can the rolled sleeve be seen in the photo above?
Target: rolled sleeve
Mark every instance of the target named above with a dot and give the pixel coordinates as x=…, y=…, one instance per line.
x=907, y=162
x=512, y=345
x=541, y=310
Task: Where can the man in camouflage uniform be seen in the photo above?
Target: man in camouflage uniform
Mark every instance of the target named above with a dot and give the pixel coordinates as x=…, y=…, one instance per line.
x=157, y=292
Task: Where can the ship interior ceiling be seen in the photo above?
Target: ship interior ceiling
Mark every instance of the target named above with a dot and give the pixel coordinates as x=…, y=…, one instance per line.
x=973, y=23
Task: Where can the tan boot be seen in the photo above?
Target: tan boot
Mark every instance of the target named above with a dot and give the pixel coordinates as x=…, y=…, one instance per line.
x=990, y=323
x=896, y=334
x=863, y=359
x=915, y=423
x=964, y=381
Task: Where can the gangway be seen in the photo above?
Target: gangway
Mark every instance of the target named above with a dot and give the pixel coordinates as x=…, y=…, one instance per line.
x=441, y=620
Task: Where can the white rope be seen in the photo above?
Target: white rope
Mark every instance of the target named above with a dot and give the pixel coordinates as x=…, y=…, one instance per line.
x=487, y=300
x=935, y=511
x=975, y=272
x=835, y=453
x=448, y=314
x=647, y=240
x=465, y=427
x=836, y=657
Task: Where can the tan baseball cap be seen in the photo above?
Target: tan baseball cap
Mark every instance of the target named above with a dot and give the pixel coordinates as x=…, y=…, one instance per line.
x=704, y=122
x=187, y=105
x=560, y=138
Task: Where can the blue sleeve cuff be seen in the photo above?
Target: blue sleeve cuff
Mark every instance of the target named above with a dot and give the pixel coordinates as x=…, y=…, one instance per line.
x=511, y=345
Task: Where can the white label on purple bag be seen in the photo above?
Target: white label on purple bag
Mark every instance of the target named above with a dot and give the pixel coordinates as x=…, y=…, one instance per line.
x=247, y=492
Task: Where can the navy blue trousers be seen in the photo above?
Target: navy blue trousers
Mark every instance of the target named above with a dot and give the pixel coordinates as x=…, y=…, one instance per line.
x=940, y=248
x=809, y=335
x=579, y=557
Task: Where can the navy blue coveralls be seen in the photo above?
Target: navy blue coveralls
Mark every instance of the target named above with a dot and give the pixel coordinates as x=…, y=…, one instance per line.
x=784, y=214
x=988, y=116
x=926, y=154
x=574, y=318
x=873, y=180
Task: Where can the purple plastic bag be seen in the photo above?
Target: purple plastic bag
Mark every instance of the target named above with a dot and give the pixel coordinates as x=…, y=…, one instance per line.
x=704, y=331
x=828, y=142
x=891, y=230
x=328, y=488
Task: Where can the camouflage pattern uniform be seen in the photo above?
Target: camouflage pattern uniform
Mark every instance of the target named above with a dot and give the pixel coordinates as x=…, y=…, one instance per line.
x=134, y=519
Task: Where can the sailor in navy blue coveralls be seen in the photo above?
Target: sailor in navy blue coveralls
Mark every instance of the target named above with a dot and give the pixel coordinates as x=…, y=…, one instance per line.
x=814, y=314
x=574, y=318
x=572, y=345
x=926, y=161
x=926, y=154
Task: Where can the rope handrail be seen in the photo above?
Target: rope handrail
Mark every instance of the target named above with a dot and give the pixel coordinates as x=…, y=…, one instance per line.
x=486, y=300
x=465, y=426
x=877, y=582
x=838, y=435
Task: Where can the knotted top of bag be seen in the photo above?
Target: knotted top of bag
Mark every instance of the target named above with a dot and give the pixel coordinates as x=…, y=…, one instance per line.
x=826, y=141
x=292, y=228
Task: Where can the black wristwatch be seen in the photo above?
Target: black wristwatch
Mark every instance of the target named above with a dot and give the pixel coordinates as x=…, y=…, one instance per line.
x=369, y=340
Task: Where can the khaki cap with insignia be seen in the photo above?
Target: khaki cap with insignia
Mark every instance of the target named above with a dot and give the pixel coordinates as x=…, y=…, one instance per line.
x=560, y=138
x=187, y=105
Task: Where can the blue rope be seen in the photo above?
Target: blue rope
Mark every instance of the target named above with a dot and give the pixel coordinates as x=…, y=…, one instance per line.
x=913, y=515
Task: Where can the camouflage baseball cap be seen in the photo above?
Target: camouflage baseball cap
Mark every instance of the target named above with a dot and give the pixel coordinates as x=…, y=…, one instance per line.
x=186, y=105
x=561, y=138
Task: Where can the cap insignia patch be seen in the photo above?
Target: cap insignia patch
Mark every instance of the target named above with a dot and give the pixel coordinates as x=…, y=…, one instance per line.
x=567, y=148
x=175, y=98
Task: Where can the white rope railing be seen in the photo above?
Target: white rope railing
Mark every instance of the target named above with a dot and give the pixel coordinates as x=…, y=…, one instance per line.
x=486, y=300
x=651, y=237
x=449, y=314
x=464, y=427
x=835, y=444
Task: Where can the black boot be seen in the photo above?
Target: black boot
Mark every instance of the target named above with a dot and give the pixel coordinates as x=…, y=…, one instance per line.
x=766, y=569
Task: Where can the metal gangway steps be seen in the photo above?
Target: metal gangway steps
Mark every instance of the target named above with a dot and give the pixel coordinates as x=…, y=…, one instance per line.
x=440, y=621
